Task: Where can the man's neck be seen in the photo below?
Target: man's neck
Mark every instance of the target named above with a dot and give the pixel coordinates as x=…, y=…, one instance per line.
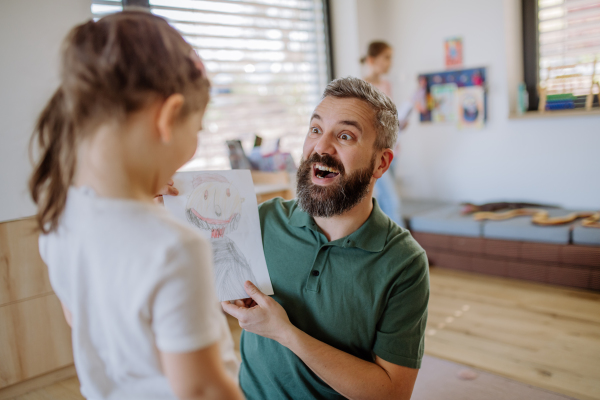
x=342, y=225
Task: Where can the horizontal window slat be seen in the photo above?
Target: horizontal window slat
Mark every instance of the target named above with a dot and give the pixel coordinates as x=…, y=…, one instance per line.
x=293, y=4
x=261, y=67
x=244, y=100
x=225, y=32
x=570, y=35
x=232, y=20
x=239, y=55
x=250, y=44
x=105, y=9
x=233, y=8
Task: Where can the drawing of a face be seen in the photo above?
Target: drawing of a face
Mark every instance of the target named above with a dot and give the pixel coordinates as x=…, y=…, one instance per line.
x=214, y=205
x=470, y=111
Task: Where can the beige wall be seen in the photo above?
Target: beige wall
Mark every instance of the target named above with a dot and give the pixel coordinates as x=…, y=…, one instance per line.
x=30, y=35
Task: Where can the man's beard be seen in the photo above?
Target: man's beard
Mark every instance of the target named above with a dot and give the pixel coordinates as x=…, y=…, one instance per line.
x=336, y=199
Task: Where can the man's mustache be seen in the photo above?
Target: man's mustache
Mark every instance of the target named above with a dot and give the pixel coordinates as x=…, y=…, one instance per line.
x=327, y=161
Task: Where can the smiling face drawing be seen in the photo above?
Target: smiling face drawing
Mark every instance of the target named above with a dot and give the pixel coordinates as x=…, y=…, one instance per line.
x=214, y=205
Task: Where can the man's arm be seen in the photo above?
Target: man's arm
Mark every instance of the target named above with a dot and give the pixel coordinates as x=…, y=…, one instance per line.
x=350, y=376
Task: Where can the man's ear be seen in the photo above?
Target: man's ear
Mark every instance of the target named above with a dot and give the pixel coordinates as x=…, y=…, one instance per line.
x=383, y=162
x=167, y=116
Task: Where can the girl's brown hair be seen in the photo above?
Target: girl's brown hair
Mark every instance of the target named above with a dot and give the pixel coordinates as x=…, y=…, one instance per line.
x=109, y=69
x=375, y=49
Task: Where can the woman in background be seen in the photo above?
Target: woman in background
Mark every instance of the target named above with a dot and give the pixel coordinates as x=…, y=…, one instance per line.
x=136, y=286
x=378, y=61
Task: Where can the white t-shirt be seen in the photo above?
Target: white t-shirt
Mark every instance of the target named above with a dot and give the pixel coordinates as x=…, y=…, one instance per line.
x=135, y=281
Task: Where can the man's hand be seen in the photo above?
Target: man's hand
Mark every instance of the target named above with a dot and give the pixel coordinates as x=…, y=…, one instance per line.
x=167, y=189
x=260, y=314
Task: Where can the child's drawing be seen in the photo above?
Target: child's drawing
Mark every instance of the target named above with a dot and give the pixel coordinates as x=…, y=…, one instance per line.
x=215, y=205
x=212, y=202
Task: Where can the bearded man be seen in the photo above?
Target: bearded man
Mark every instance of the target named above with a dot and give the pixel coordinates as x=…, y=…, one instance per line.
x=351, y=287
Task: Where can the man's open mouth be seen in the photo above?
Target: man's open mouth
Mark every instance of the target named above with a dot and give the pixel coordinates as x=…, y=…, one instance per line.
x=323, y=172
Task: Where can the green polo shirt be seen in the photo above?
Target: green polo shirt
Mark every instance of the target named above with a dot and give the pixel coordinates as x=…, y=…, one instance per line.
x=364, y=294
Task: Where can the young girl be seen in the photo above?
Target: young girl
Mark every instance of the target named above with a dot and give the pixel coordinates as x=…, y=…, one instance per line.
x=379, y=60
x=136, y=286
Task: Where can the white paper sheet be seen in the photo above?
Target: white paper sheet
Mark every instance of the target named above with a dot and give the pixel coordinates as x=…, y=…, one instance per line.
x=222, y=206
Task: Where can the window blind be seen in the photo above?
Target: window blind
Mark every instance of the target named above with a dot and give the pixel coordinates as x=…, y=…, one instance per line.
x=569, y=45
x=267, y=61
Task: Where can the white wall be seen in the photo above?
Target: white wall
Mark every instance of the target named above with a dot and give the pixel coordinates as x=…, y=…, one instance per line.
x=345, y=38
x=30, y=35
x=554, y=160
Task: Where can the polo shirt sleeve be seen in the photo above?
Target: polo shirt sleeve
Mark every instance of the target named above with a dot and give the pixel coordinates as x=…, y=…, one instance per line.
x=401, y=329
x=185, y=309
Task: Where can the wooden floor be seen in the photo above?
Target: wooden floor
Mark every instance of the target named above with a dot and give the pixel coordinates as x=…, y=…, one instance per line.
x=65, y=390
x=542, y=335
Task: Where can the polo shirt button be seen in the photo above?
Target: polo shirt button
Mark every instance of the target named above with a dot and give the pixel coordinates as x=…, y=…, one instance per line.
x=315, y=272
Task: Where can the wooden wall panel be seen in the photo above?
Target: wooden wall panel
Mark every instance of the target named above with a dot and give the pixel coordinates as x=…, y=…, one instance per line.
x=34, y=339
x=23, y=274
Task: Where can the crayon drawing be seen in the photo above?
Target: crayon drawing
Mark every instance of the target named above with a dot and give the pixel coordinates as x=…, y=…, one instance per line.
x=213, y=204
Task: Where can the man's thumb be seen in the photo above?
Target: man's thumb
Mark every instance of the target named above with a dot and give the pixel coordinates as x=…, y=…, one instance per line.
x=258, y=296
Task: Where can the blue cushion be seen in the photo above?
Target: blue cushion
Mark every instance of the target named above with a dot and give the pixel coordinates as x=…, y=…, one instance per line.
x=411, y=207
x=446, y=220
x=583, y=235
x=521, y=228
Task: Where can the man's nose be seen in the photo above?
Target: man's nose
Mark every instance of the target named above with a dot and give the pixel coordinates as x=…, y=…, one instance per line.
x=325, y=145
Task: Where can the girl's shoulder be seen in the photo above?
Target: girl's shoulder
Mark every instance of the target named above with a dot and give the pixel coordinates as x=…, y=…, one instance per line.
x=139, y=231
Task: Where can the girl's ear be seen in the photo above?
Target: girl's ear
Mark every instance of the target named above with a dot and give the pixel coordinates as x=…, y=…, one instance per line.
x=167, y=116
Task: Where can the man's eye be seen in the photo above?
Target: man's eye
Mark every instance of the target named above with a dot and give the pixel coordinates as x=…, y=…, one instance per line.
x=314, y=130
x=345, y=136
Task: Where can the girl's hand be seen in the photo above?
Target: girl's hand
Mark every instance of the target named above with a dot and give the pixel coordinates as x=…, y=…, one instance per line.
x=167, y=189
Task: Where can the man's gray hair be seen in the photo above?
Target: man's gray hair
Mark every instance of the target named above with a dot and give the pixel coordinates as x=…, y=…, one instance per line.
x=386, y=115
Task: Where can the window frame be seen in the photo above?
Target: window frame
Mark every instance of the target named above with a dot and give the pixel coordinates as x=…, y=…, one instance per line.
x=531, y=60
x=531, y=55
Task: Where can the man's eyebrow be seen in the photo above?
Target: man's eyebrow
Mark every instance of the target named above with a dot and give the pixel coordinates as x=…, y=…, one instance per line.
x=352, y=123
x=315, y=116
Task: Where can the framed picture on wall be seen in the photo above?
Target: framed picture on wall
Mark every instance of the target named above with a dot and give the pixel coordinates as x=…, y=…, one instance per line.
x=453, y=51
x=470, y=107
x=442, y=97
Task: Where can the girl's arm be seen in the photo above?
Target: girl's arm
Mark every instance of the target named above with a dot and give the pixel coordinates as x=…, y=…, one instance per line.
x=67, y=313
x=199, y=375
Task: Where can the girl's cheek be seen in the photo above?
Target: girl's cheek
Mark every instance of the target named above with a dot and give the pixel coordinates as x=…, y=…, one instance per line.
x=193, y=146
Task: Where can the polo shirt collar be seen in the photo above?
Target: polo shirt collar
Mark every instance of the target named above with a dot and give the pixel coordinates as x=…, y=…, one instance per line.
x=300, y=218
x=371, y=236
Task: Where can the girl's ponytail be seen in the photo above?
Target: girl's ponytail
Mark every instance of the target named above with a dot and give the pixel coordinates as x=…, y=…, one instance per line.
x=54, y=171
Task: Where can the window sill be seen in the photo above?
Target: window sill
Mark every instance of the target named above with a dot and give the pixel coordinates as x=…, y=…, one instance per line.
x=555, y=114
